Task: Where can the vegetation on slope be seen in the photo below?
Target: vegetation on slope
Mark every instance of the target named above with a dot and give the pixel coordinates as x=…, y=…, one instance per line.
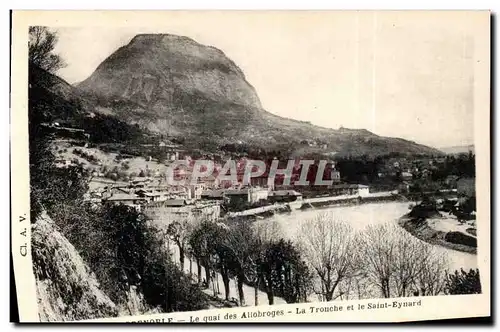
x=123, y=253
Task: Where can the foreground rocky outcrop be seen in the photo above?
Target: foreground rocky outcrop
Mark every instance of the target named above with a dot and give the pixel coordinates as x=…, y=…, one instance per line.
x=66, y=288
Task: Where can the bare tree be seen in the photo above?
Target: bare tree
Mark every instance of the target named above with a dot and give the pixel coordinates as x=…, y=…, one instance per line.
x=329, y=246
x=42, y=42
x=401, y=265
x=408, y=260
x=431, y=280
x=378, y=252
x=268, y=231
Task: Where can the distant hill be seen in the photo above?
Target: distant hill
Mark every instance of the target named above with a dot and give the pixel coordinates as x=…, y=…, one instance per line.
x=52, y=99
x=175, y=86
x=458, y=149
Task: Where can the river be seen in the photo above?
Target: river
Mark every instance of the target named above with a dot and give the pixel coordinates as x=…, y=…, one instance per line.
x=359, y=216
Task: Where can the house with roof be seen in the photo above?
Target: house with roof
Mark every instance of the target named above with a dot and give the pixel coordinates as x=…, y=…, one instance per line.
x=171, y=209
x=284, y=196
x=175, y=203
x=209, y=181
x=261, y=181
x=245, y=195
x=131, y=200
x=349, y=189
x=406, y=175
x=152, y=196
x=213, y=194
x=335, y=175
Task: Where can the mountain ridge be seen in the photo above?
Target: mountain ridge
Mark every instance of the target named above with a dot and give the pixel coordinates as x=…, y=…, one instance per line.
x=173, y=85
x=457, y=149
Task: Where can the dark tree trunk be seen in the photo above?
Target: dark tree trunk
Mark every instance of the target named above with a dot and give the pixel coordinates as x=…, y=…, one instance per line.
x=198, y=263
x=328, y=296
x=207, y=275
x=385, y=288
x=268, y=283
x=181, y=257
x=216, y=281
x=225, y=280
x=256, y=291
x=241, y=295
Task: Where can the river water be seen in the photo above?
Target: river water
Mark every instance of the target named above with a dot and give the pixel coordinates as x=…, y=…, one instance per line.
x=359, y=216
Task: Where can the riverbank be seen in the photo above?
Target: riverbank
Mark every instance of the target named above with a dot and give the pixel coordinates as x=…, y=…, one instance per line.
x=317, y=203
x=422, y=230
x=349, y=200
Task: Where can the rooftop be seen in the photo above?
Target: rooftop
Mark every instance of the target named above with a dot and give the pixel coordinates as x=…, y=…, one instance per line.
x=175, y=202
x=123, y=197
x=285, y=193
x=349, y=186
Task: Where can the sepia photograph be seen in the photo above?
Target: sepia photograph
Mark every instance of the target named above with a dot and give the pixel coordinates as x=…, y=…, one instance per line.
x=250, y=160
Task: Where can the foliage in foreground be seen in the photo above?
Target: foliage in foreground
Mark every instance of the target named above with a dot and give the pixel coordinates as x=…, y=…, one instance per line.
x=462, y=282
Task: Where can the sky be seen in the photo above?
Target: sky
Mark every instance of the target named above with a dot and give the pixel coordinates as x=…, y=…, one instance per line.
x=395, y=74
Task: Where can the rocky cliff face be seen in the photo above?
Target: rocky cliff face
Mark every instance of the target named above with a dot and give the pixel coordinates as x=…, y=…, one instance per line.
x=66, y=289
x=170, y=84
x=176, y=86
x=152, y=69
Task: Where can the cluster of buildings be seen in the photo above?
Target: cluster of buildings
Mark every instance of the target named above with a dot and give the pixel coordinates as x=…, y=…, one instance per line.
x=210, y=195
x=156, y=200
x=408, y=168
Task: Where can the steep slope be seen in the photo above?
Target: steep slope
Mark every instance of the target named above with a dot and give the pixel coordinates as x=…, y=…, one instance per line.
x=176, y=86
x=51, y=99
x=66, y=289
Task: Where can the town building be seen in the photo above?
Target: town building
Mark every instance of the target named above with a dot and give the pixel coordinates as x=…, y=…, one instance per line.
x=406, y=176
x=261, y=181
x=349, y=189
x=245, y=195
x=209, y=181
x=171, y=210
x=213, y=194
x=335, y=176
x=131, y=200
x=284, y=196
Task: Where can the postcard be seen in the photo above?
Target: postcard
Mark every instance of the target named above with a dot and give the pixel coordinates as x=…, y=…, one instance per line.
x=250, y=166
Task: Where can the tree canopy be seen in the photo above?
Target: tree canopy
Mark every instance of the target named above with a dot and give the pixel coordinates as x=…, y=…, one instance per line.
x=42, y=42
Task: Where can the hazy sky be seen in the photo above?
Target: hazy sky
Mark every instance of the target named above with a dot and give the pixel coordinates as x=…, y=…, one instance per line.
x=401, y=75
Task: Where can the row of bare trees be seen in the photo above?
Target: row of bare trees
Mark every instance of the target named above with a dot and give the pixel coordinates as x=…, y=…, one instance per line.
x=380, y=260
x=327, y=257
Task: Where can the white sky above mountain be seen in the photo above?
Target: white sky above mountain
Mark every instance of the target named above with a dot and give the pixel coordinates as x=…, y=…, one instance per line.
x=395, y=74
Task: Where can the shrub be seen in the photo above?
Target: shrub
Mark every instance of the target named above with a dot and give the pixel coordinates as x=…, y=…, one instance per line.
x=123, y=250
x=460, y=238
x=424, y=210
x=463, y=282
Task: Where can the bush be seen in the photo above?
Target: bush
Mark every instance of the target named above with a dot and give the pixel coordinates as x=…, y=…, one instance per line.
x=424, y=211
x=463, y=282
x=166, y=286
x=125, y=166
x=472, y=231
x=460, y=238
x=123, y=251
